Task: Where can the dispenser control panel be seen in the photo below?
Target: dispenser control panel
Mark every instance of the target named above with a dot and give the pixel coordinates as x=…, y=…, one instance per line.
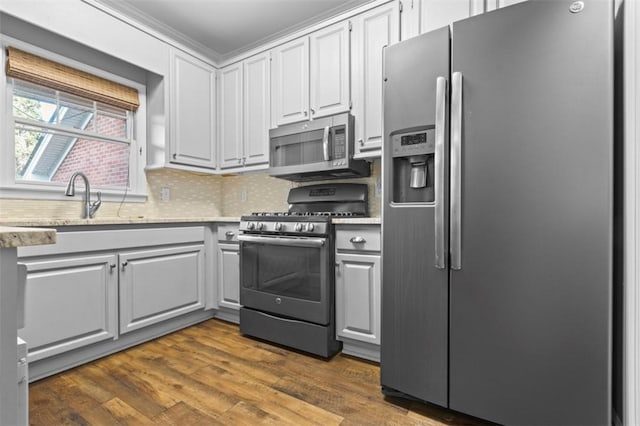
x=413, y=143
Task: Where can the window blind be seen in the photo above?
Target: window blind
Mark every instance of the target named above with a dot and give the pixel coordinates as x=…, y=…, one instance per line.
x=38, y=70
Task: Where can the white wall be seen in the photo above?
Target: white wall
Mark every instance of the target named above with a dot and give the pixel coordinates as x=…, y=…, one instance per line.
x=631, y=374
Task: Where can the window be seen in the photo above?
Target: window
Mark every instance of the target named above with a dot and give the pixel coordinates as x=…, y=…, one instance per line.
x=62, y=122
x=57, y=134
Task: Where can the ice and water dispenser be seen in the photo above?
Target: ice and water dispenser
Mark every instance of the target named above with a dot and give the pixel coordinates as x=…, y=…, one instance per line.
x=413, y=152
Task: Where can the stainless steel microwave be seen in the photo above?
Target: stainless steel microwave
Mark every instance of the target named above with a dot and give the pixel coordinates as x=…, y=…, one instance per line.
x=315, y=150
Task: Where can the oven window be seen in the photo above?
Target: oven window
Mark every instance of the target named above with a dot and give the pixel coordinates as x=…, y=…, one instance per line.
x=283, y=270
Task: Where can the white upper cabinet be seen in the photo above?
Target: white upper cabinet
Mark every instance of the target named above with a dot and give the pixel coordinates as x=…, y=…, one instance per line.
x=290, y=78
x=329, y=73
x=497, y=4
x=257, y=109
x=310, y=75
x=192, y=106
x=421, y=16
x=230, y=121
x=372, y=31
x=438, y=13
x=245, y=113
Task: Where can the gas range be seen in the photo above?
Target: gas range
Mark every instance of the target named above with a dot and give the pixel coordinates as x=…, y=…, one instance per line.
x=287, y=272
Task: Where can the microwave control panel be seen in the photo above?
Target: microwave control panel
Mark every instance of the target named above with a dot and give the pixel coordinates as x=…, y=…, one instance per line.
x=339, y=146
x=413, y=143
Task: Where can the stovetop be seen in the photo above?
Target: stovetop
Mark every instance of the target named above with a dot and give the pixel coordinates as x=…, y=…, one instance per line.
x=268, y=215
x=310, y=210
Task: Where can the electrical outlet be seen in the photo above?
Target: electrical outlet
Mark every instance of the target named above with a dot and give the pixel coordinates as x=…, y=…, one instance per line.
x=165, y=194
x=243, y=195
x=378, y=187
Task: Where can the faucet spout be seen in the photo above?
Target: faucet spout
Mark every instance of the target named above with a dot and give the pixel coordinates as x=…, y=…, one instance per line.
x=89, y=208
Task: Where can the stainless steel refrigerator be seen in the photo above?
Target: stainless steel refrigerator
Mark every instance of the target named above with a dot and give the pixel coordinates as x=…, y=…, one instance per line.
x=497, y=215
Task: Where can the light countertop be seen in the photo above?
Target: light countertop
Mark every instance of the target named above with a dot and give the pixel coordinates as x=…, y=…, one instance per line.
x=135, y=220
x=19, y=237
x=356, y=221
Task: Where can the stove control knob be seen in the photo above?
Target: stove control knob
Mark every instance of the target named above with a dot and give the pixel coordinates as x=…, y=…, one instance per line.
x=278, y=226
x=251, y=226
x=310, y=227
x=260, y=225
x=298, y=227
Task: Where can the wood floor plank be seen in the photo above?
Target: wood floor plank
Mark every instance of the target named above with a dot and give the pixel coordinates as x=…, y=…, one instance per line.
x=256, y=393
x=125, y=414
x=209, y=374
x=182, y=414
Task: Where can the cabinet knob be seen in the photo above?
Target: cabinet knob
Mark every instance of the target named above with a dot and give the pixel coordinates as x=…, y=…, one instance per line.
x=229, y=234
x=361, y=141
x=112, y=266
x=175, y=156
x=124, y=264
x=313, y=111
x=357, y=240
x=305, y=112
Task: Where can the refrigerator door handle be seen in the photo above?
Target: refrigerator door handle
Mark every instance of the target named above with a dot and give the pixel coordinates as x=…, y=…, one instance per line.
x=441, y=108
x=456, y=168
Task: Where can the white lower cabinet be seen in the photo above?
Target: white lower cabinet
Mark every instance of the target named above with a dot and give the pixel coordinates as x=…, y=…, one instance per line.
x=70, y=302
x=228, y=261
x=87, y=294
x=159, y=284
x=358, y=290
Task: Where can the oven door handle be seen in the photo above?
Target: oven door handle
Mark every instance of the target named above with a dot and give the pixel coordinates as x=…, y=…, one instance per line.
x=283, y=241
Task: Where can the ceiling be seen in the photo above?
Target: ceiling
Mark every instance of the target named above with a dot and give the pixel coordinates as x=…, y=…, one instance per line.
x=221, y=29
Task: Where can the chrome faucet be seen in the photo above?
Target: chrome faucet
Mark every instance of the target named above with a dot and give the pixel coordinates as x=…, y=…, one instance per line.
x=89, y=207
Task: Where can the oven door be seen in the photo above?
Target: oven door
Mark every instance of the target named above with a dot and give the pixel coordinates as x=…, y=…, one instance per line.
x=287, y=276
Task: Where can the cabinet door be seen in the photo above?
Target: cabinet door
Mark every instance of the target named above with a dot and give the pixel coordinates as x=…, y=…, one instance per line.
x=229, y=276
x=230, y=113
x=371, y=32
x=70, y=302
x=159, y=284
x=257, y=109
x=329, y=74
x=290, y=71
x=438, y=13
x=192, y=112
x=358, y=297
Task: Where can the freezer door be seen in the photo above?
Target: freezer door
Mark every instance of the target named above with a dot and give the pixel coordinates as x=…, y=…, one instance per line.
x=530, y=337
x=414, y=288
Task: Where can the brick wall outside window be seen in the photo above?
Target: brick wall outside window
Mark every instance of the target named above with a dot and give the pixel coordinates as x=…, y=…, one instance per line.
x=104, y=163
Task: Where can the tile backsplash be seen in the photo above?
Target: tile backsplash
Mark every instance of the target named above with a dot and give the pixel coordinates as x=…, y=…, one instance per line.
x=190, y=195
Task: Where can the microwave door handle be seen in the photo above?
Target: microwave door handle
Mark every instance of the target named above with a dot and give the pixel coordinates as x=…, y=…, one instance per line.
x=325, y=143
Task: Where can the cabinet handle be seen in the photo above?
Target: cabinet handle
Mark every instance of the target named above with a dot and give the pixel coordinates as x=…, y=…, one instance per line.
x=338, y=268
x=229, y=234
x=124, y=264
x=239, y=160
x=112, y=266
x=175, y=156
x=305, y=112
x=357, y=240
x=361, y=141
x=313, y=111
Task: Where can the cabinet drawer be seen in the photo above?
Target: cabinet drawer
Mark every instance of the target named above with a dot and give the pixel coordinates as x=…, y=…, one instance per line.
x=228, y=233
x=358, y=237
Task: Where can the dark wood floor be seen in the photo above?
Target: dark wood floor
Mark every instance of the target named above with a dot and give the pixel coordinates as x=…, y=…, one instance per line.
x=209, y=374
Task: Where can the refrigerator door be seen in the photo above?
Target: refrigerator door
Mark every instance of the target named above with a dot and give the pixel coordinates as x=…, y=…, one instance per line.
x=414, y=291
x=530, y=313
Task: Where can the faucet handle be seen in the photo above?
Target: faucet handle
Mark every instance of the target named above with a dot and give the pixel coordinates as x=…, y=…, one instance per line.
x=96, y=204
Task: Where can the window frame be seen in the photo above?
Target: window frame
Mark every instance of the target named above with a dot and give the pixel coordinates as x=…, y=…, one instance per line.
x=10, y=187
